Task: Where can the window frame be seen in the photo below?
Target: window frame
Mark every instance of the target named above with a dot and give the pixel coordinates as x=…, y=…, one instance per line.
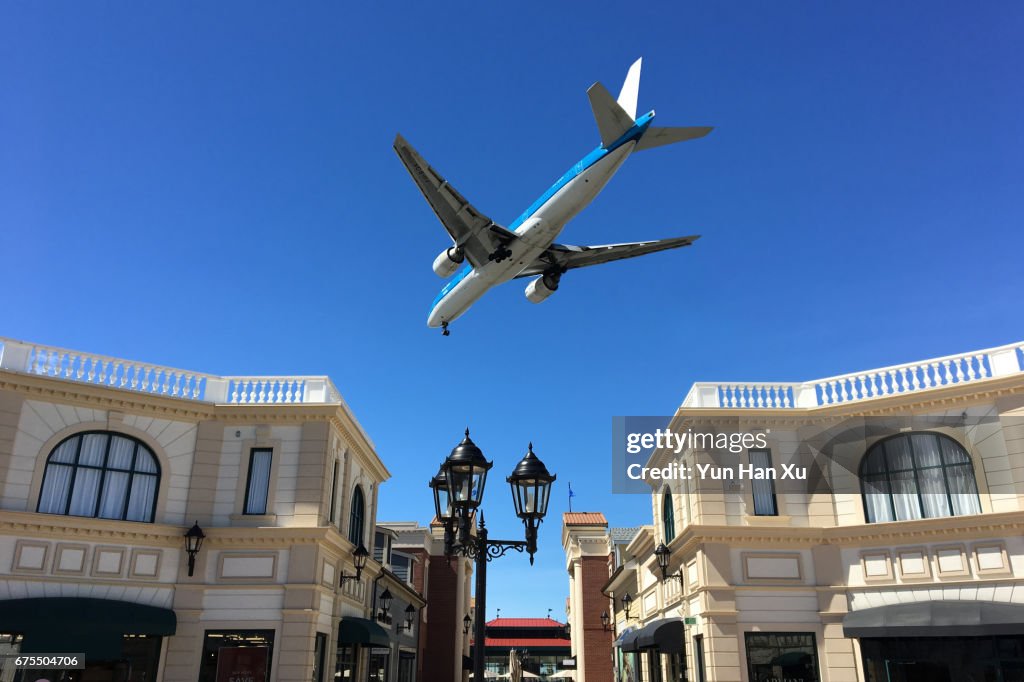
x=248, y=481
x=754, y=482
x=356, y=531
x=915, y=470
x=668, y=515
x=75, y=465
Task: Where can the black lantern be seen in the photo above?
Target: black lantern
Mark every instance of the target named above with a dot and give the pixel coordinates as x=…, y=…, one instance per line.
x=466, y=475
x=531, y=487
x=605, y=620
x=626, y=601
x=442, y=499
x=567, y=630
x=467, y=622
x=359, y=558
x=410, y=612
x=663, y=554
x=193, y=541
x=385, y=604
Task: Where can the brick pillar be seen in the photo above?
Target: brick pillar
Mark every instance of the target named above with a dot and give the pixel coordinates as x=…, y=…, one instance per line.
x=597, y=641
x=444, y=612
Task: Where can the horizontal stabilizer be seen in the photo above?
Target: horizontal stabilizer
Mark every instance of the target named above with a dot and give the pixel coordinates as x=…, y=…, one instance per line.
x=657, y=137
x=612, y=119
x=563, y=257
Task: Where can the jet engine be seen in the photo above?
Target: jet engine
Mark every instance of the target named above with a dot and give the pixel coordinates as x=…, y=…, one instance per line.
x=542, y=287
x=447, y=261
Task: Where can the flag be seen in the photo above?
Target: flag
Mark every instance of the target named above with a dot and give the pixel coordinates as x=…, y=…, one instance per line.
x=571, y=495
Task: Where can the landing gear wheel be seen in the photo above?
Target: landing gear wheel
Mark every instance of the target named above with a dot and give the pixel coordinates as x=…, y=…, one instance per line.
x=444, y=329
x=500, y=254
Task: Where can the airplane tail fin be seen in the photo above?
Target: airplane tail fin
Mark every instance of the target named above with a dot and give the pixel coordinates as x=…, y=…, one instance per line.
x=630, y=90
x=656, y=137
x=612, y=119
x=615, y=117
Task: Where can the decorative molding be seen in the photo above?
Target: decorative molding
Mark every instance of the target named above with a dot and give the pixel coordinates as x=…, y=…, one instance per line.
x=876, y=566
x=250, y=567
x=102, y=555
x=945, y=556
x=144, y=557
x=30, y=556
x=65, y=554
x=759, y=567
x=985, y=556
x=914, y=564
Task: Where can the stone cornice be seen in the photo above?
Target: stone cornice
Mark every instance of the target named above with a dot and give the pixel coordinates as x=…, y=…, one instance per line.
x=31, y=524
x=44, y=388
x=864, y=535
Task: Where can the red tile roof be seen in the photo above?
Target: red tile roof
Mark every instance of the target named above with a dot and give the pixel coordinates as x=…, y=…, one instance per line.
x=584, y=519
x=527, y=643
x=524, y=623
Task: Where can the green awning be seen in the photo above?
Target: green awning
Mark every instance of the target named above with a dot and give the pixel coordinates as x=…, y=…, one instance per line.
x=94, y=627
x=665, y=635
x=362, y=631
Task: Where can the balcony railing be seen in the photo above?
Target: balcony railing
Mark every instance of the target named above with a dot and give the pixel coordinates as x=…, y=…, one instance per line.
x=912, y=377
x=144, y=377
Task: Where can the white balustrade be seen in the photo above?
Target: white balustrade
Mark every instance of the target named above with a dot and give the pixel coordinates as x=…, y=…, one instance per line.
x=876, y=383
x=101, y=370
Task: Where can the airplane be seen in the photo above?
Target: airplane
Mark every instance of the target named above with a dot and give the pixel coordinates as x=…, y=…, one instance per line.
x=527, y=248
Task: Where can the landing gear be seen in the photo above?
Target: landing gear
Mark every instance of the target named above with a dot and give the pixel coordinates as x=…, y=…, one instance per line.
x=500, y=254
x=444, y=329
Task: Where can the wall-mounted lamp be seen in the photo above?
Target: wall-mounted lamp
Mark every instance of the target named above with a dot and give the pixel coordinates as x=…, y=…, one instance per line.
x=359, y=558
x=193, y=542
x=663, y=554
x=568, y=630
x=467, y=623
x=626, y=601
x=605, y=620
x=410, y=613
x=385, y=605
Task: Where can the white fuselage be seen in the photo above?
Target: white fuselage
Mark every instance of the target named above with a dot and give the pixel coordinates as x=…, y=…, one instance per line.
x=536, y=233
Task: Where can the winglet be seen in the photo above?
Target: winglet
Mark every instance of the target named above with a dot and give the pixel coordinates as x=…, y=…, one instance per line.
x=631, y=90
x=612, y=120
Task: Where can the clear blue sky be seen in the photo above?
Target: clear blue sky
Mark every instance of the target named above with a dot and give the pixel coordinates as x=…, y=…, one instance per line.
x=212, y=186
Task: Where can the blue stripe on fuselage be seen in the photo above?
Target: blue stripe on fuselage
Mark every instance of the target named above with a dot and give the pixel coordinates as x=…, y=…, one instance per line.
x=634, y=133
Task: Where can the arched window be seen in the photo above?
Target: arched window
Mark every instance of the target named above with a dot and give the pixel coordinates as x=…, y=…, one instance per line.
x=917, y=476
x=356, y=516
x=102, y=475
x=668, y=515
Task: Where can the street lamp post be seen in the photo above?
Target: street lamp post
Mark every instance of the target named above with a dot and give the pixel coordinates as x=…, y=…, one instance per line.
x=458, y=491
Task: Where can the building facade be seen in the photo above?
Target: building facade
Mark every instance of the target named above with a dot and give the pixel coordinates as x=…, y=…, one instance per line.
x=105, y=464
x=445, y=585
x=541, y=645
x=898, y=557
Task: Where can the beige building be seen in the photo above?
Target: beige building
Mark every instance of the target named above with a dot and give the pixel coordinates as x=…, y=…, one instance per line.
x=104, y=466
x=899, y=558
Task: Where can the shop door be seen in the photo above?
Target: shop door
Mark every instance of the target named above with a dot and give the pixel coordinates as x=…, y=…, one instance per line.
x=917, y=671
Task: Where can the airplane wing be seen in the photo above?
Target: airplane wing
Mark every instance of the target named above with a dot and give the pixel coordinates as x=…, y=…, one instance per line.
x=561, y=257
x=475, y=233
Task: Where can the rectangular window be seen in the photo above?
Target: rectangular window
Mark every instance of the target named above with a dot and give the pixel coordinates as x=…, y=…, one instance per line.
x=406, y=666
x=319, y=650
x=379, y=661
x=345, y=668
x=782, y=656
x=236, y=654
x=698, y=655
x=334, y=493
x=400, y=564
x=257, y=486
x=763, y=488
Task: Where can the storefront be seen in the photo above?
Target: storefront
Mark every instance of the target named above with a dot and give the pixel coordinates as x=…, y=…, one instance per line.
x=940, y=642
x=778, y=656
x=120, y=641
x=653, y=653
x=358, y=635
